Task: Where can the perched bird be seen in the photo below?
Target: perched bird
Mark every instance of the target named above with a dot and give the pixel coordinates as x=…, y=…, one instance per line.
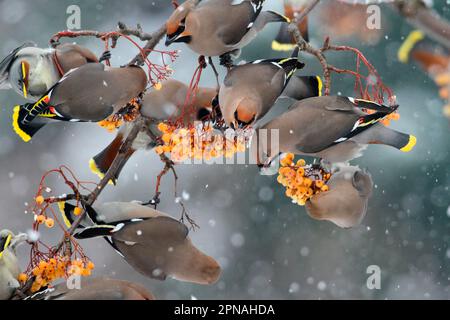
x=153, y=243
x=32, y=71
x=9, y=265
x=95, y=289
x=160, y=105
x=333, y=128
x=218, y=27
x=91, y=92
x=250, y=90
x=284, y=40
x=345, y=203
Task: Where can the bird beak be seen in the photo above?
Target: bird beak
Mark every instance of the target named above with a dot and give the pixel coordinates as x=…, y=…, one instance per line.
x=179, y=36
x=25, y=74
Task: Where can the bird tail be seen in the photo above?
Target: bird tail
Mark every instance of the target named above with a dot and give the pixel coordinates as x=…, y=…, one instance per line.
x=302, y=87
x=68, y=213
x=401, y=141
x=284, y=40
x=409, y=44
x=101, y=163
x=22, y=127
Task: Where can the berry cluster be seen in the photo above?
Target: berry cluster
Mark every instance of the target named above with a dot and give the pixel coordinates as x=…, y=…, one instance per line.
x=300, y=180
x=48, y=270
x=199, y=142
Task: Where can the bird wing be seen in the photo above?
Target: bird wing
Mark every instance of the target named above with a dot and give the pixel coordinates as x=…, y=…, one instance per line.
x=163, y=230
x=240, y=18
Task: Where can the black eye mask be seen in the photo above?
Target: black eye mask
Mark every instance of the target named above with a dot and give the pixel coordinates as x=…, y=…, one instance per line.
x=6, y=63
x=4, y=243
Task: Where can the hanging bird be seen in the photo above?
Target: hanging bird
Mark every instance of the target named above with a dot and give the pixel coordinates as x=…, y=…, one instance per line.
x=9, y=265
x=150, y=241
x=160, y=105
x=32, y=71
x=95, y=289
x=333, y=128
x=218, y=27
x=250, y=90
x=284, y=40
x=91, y=92
x=345, y=203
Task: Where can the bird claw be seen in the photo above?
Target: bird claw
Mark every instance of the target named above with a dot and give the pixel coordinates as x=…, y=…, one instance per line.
x=154, y=201
x=105, y=56
x=226, y=61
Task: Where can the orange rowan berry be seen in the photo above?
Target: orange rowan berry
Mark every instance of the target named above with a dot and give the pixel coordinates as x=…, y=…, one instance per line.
x=77, y=211
x=90, y=265
x=324, y=188
x=49, y=222
x=39, y=200
x=301, y=163
x=307, y=182
x=23, y=278
x=40, y=219
x=319, y=183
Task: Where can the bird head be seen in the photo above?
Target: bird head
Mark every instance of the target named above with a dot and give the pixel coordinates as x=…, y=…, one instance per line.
x=5, y=240
x=176, y=24
x=9, y=64
x=30, y=75
x=246, y=112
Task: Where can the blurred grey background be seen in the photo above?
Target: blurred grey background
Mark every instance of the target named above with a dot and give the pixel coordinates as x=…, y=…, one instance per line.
x=268, y=247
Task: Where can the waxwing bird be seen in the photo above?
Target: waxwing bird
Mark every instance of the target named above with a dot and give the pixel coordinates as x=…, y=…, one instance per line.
x=333, y=128
x=217, y=27
x=250, y=90
x=345, y=203
x=433, y=58
x=32, y=71
x=153, y=243
x=164, y=104
x=91, y=93
x=9, y=265
x=284, y=40
x=302, y=87
x=95, y=289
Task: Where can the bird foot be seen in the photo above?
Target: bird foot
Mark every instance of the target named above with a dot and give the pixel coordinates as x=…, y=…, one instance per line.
x=105, y=56
x=226, y=61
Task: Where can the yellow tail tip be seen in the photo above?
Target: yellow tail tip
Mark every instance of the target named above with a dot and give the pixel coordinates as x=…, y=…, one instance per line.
x=404, y=51
x=95, y=170
x=411, y=143
x=320, y=82
x=15, y=123
x=277, y=46
x=62, y=209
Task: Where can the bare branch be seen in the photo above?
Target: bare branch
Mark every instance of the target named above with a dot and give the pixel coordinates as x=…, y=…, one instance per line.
x=426, y=19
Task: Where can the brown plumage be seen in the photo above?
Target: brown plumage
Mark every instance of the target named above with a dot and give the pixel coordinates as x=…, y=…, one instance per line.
x=345, y=203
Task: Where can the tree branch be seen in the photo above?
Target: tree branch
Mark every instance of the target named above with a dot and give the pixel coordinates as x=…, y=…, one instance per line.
x=426, y=19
